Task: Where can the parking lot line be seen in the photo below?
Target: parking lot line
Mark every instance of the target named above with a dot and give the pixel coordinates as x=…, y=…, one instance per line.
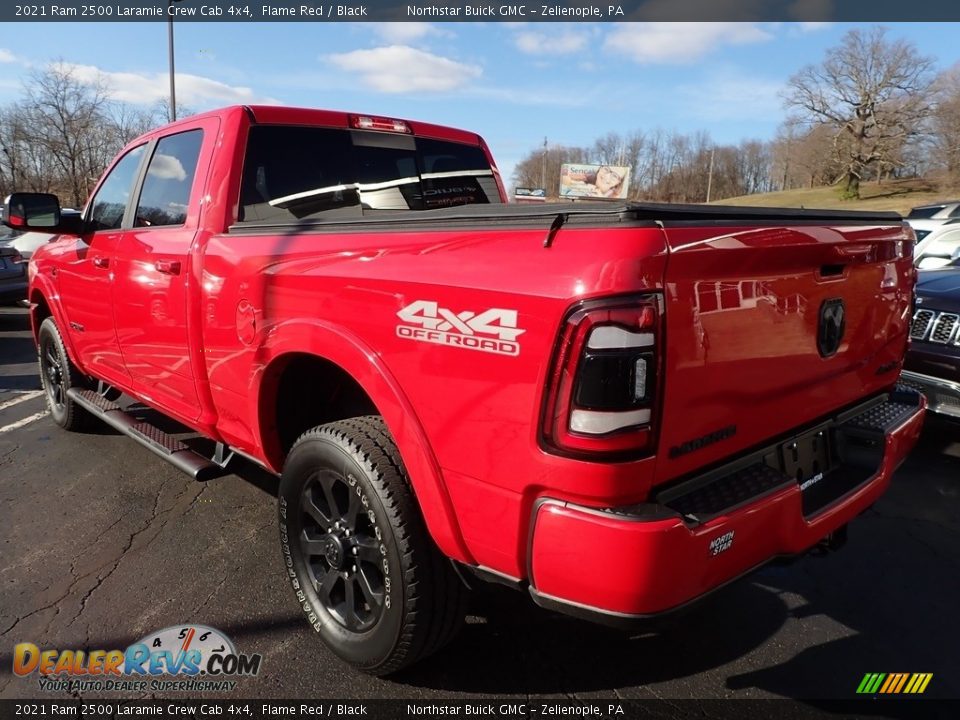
x=22, y=397
x=21, y=423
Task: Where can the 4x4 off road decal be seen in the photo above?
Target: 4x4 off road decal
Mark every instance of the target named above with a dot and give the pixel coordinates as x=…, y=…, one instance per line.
x=494, y=330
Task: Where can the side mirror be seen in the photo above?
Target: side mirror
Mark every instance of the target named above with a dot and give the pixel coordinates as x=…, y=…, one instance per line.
x=955, y=255
x=31, y=211
x=37, y=211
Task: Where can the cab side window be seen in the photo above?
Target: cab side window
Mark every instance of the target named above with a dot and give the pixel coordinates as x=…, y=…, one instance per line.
x=110, y=202
x=165, y=196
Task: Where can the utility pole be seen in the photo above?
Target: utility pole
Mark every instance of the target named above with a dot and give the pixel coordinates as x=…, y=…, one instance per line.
x=173, y=83
x=543, y=166
x=713, y=151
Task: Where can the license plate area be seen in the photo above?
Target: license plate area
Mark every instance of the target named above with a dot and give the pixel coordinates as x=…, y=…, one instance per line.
x=807, y=458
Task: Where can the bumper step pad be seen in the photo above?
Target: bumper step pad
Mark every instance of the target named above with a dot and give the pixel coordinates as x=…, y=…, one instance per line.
x=856, y=442
x=728, y=492
x=887, y=415
x=149, y=436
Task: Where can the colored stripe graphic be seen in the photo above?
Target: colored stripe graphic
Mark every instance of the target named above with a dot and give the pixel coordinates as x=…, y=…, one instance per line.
x=894, y=683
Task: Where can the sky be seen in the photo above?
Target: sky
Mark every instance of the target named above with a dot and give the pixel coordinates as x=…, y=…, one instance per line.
x=513, y=83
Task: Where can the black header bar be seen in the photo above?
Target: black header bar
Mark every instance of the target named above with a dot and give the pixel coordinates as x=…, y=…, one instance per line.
x=475, y=709
x=321, y=11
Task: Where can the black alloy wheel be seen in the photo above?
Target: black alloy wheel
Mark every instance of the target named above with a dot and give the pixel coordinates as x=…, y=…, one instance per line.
x=357, y=553
x=58, y=375
x=344, y=560
x=51, y=368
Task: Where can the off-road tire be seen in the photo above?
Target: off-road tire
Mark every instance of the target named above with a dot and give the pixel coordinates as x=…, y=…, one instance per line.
x=57, y=375
x=423, y=602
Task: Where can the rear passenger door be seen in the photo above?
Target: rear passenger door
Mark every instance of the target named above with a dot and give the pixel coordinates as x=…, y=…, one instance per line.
x=154, y=279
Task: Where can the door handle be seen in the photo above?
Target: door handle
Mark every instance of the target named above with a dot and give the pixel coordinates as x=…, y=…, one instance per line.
x=100, y=261
x=168, y=267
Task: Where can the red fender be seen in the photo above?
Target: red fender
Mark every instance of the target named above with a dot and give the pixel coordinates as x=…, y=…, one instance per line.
x=340, y=347
x=41, y=287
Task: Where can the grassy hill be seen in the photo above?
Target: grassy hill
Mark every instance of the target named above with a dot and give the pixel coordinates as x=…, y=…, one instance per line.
x=897, y=195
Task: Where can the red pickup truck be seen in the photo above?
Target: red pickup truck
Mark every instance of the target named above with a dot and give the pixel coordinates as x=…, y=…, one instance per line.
x=615, y=407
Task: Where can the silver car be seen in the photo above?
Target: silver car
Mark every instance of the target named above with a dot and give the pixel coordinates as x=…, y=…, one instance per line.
x=924, y=219
x=938, y=247
x=26, y=243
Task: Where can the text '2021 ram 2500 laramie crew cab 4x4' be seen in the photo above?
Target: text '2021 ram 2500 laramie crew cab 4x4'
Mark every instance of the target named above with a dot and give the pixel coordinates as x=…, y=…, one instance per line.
x=617, y=407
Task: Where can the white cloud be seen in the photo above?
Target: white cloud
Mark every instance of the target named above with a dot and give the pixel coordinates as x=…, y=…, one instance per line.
x=167, y=167
x=679, y=42
x=7, y=57
x=539, y=43
x=406, y=32
x=401, y=68
x=147, y=88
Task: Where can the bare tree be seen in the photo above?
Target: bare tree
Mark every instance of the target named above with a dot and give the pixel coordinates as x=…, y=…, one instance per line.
x=946, y=123
x=874, y=93
x=65, y=131
x=543, y=165
x=68, y=119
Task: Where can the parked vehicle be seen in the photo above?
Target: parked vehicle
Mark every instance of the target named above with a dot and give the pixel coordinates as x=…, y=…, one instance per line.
x=615, y=407
x=937, y=248
x=13, y=276
x=926, y=218
x=27, y=242
x=933, y=360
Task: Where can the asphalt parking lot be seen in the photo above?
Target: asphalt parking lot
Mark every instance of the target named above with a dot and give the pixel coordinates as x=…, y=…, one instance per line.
x=101, y=543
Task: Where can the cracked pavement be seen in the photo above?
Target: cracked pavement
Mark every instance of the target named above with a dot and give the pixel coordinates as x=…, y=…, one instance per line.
x=102, y=543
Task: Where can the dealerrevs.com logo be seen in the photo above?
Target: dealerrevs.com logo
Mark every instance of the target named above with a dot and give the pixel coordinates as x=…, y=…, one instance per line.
x=493, y=331
x=181, y=658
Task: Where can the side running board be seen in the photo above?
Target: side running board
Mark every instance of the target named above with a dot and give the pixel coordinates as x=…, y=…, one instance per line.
x=151, y=437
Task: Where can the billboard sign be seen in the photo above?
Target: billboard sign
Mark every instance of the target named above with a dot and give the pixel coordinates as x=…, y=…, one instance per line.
x=594, y=181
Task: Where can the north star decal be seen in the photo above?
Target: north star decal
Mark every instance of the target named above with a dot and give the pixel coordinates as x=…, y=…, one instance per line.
x=493, y=331
x=722, y=543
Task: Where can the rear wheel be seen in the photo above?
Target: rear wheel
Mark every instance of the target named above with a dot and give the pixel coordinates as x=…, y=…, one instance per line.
x=363, y=567
x=57, y=375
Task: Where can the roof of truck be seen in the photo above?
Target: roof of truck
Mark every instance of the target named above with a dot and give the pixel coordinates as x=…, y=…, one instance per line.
x=283, y=115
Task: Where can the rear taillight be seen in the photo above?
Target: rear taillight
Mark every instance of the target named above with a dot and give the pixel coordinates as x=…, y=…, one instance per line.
x=368, y=122
x=603, y=386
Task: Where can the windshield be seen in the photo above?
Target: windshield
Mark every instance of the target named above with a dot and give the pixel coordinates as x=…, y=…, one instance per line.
x=291, y=173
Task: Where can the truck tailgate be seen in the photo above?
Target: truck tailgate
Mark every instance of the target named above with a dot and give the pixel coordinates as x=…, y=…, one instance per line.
x=769, y=328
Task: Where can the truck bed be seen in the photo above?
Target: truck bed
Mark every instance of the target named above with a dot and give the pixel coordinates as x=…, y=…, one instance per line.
x=577, y=214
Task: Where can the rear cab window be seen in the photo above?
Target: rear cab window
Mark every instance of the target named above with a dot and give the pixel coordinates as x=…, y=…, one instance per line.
x=165, y=195
x=292, y=173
